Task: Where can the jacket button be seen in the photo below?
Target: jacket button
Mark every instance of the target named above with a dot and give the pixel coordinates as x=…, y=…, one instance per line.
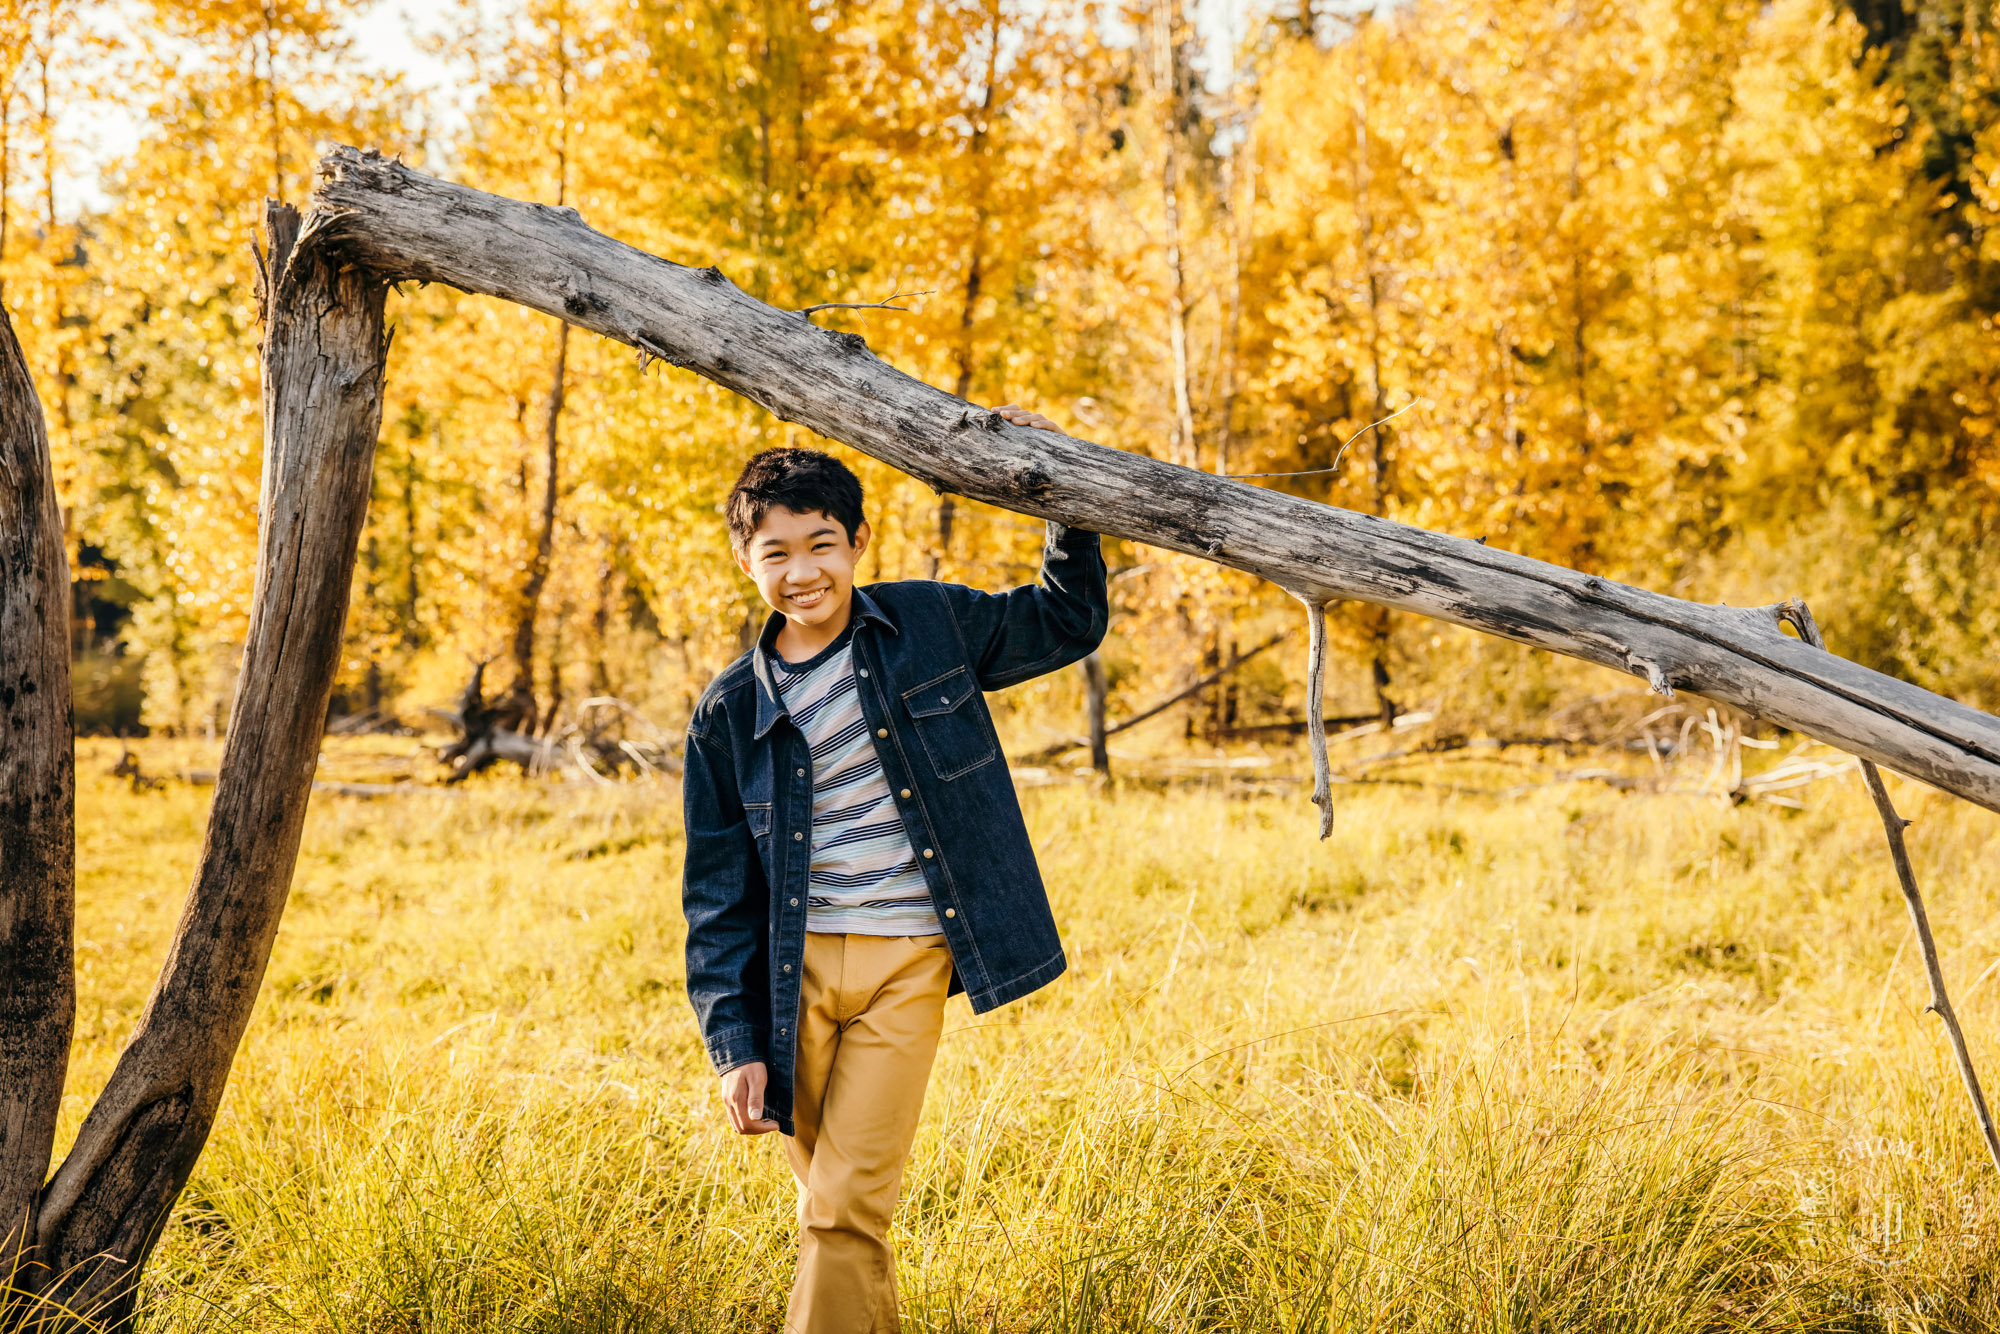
x=864, y=671
x=798, y=836
x=802, y=773
x=927, y=852
x=906, y=794
x=788, y=968
x=881, y=731
x=783, y=1031
x=944, y=699
x=951, y=912
x=795, y=903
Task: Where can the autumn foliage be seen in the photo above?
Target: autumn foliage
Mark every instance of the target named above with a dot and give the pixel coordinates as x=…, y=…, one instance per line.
x=1698, y=294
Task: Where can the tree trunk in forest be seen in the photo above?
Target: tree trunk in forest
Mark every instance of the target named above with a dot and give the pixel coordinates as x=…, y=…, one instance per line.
x=1378, y=436
x=324, y=355
x=600, y=625
x=975, y=273
x=412, y=628
x=1094, y=688
x=521, y=696
x=37, y=822
x=1183, y=447
x=401, y=224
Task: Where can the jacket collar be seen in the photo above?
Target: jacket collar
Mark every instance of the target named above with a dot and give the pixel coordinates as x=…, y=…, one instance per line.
x=770, y=704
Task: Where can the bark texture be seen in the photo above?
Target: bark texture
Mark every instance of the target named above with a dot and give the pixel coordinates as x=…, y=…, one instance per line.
x=324, y=355
x=402, y=224
x=37, y=826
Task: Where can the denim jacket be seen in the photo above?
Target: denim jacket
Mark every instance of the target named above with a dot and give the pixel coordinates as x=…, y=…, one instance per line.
x=923, y=652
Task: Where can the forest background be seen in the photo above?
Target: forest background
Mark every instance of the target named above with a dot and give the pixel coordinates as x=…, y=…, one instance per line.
x=1696, y=294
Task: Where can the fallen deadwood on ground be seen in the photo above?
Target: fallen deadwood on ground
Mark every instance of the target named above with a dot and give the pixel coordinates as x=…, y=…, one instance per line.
x=369, y=791
x=1047, y=753
x=1291, y=726
x=596, y=744
x=487, y=732
x=206, y=778
x=400, y=225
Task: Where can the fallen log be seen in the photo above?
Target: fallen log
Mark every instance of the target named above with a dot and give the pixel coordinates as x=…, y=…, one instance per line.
x=402, y=225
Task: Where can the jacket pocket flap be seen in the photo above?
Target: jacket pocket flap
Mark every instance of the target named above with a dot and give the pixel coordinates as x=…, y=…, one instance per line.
x=758, y=813
x=940, y=695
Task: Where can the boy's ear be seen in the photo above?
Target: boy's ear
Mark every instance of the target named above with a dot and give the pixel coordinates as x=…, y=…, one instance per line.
x=742, y=556
x=863, y=534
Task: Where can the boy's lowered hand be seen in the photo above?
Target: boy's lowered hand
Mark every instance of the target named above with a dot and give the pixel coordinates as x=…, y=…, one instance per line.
x=1023, y=417
x=743, y=1099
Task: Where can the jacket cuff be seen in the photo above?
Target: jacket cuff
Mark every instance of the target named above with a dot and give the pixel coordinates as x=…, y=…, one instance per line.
x=1071, y=539
x=733, y=1047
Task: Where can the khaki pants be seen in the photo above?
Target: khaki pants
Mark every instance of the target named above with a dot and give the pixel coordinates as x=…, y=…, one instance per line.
x=869, y=1017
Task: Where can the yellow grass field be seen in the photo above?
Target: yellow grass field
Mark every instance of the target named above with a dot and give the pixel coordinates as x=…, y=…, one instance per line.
x=1562, y=1059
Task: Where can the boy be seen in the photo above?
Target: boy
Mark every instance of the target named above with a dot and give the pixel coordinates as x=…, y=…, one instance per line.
x=855, y=851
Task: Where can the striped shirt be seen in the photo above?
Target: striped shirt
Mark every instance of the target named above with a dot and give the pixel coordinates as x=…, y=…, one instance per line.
x=865, y=879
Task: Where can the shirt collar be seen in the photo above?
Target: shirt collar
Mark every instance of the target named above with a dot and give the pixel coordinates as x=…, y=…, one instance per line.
x=770, y=704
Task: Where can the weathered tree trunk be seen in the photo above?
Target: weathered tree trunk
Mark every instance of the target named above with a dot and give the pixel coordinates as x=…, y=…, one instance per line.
x=37, y=824
x=402, y=224
x=324, y=354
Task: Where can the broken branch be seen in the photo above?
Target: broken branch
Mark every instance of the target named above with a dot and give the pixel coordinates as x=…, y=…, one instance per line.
x=1322, y=796
x=1800, y=617
x=883, y=304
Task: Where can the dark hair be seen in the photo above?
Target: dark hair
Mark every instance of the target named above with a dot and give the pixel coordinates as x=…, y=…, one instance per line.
x=804, y=481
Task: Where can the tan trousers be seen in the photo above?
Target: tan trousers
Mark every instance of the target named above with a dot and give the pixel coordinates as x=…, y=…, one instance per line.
x=869, y=1018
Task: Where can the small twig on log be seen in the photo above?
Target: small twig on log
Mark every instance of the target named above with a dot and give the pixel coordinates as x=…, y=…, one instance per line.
x=1314, y=472
x=649, y=352
x=1800, y=617
x=1322, y=796
x=883, y=304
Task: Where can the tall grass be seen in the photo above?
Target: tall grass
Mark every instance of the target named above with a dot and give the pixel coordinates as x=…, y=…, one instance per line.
x=1571, y=1060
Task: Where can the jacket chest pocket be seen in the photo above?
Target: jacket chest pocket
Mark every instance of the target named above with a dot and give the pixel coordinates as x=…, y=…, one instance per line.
x=951, y=724
x=758, y=813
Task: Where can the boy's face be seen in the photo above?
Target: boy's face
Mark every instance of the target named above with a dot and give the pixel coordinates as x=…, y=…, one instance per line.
x=803, y=565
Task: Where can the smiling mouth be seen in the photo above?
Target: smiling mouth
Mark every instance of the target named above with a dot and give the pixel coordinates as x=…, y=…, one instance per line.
x=808, y=599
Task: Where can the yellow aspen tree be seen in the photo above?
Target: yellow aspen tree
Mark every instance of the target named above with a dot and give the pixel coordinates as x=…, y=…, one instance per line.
x=166, y=407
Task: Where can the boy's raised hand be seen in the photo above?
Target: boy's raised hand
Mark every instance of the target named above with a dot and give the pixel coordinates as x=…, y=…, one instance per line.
x=743, y=1099
x=1023, y=417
